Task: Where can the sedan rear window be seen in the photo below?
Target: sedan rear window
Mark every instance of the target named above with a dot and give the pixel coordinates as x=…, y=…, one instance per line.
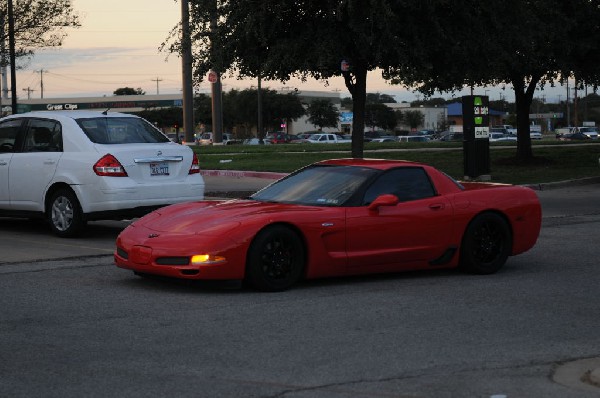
x=120, y=130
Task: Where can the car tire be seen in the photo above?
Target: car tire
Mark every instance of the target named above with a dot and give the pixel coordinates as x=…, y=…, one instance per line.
x=65, y=214
x=275, y=259
x=486, y=244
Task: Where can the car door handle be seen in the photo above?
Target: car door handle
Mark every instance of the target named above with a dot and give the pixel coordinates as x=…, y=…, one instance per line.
x=437, y=206
x=49, y=161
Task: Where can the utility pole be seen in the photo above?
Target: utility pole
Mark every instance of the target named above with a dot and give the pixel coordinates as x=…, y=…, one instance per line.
x=11, y=49
x=186, y=63
x=42, y=82
x=29, y=91
x=157, y=80
x=216, y=86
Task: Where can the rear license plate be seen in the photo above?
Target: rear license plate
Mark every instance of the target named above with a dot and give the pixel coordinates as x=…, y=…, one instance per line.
x=159, y=169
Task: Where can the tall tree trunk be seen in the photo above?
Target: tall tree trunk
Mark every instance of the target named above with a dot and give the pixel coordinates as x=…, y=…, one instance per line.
x=356, y=82
x=523, y=99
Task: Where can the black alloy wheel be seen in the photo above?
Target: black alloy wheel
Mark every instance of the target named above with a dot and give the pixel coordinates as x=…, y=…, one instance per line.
x=275, y=259
x=486, y=244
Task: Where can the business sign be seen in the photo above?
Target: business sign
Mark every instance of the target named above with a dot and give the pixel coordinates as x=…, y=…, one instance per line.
x=476, y=132
x=346, y=117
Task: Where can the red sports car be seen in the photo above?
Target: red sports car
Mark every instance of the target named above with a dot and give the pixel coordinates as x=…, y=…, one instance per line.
x=337, y=217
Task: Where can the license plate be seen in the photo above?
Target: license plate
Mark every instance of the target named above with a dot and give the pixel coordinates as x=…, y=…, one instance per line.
x=159, y=169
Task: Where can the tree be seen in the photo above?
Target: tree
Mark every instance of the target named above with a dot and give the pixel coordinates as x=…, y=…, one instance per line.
x=279, y=40
x=38, y=24
x=379, y=115
x=525, y=44
x=129, y=91
x=414, y=119
x=323, y=113
x=240, y=109
x=380, y=98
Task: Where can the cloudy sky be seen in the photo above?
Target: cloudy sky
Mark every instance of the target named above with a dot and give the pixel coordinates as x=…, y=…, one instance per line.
x=118, y=46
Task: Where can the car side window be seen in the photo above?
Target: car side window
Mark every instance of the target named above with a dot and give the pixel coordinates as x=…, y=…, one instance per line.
x=9, y=130
x=407, y=183
x=43, y=136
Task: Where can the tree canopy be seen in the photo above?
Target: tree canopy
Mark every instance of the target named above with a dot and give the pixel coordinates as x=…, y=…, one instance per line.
x=322, y=113
x=39, y=23
x=129, y=91
x=524, y=44
x=435, y=45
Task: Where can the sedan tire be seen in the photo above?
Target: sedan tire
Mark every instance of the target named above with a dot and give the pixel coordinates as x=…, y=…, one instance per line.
x=65, y=214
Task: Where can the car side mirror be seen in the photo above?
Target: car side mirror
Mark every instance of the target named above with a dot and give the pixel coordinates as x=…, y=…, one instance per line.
x=384, y=200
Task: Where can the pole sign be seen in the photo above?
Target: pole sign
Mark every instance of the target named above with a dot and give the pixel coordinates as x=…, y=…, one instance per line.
x=476, y=116
x=476, y=130
x=212, y=76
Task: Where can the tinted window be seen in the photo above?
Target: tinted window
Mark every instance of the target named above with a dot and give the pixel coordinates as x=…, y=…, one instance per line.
x=8, y=134
x=43, y=136
x=318, y=186
x=120, y=130
x=407, y=183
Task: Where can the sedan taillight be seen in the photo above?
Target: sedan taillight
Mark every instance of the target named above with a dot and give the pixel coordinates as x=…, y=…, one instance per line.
x=195, y=167
x=109, y=166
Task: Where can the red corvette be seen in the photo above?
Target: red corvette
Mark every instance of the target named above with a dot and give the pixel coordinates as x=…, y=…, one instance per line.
x=337, y=217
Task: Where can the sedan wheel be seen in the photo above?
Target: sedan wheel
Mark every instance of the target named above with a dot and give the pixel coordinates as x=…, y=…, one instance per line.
x=275, y=259
x=486, y=244
x=65, y=215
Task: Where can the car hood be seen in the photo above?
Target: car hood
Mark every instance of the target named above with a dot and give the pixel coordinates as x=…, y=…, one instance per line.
x=210, y=217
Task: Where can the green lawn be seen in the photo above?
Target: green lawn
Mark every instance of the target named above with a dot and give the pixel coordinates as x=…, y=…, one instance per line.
x=554, y=161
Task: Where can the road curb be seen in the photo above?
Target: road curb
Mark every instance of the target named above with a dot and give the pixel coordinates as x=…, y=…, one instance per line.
x=564, y=184
x=240, y=174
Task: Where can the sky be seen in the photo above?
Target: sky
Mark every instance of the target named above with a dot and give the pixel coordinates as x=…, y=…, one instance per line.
x=118, y=46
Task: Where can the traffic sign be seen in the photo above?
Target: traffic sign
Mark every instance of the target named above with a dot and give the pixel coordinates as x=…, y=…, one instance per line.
x=212, y=76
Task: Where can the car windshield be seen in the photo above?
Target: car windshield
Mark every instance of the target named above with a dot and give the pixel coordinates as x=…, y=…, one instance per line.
x=317, y=186
x=120, y=130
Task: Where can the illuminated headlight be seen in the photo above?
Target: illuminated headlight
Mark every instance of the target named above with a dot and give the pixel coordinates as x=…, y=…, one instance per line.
x=202, y=259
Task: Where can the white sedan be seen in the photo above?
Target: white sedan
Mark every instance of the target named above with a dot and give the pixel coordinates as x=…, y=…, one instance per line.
x=75, y=166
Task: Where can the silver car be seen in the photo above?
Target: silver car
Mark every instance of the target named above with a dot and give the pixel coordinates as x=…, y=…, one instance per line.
x=74, y=166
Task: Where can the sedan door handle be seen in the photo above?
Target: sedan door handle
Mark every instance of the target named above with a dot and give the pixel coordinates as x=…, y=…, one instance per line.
x=49, y=161
x=437, y=206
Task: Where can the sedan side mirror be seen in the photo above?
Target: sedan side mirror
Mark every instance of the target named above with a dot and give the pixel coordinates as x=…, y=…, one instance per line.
x=384, y=200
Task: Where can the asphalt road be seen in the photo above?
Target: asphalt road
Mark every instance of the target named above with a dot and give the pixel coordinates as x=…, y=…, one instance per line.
x=74, y=325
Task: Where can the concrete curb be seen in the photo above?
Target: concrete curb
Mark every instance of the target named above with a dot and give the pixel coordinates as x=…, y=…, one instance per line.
x=564, y=184
x=240, y=174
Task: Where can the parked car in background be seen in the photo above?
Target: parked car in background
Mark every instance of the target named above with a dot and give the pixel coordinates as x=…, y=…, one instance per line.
x=573, y=137
x=256, y=141
x=384, y=139
x=227, y=139
x=501, y=137
x=278, y=137
x=535, y=135
x=591, y=132
x=326, y=138
x=337, y=217
x=413, y=138
x=498, y=130
x=71, y=167
x=451, y=136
